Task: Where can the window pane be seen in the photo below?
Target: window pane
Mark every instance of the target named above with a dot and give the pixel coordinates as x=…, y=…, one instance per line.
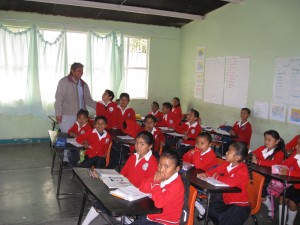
x=137, y=83
x=137, y=55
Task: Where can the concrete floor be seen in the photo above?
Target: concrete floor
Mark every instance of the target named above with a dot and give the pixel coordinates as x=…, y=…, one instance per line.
x=28, y=190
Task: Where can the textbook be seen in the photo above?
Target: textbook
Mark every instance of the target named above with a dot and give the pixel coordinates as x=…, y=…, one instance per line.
x=214, y=182
x=130, y=193
x=116, y=182
x=107, y=173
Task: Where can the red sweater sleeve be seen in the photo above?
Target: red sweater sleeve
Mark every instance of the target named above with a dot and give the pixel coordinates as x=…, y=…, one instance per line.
x=277, y=159
x=188, y=157
x=292, y=143
x=73, y=129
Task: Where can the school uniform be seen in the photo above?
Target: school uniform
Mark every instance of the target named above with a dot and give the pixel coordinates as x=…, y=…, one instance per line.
x=79, y=130
x=264, y=157
x=109, y=111
x=168, y=195
x=192, y=131
x=243, y=131
x=98, y=147
x=233, y=208
x=177, y=111
x=158, y=138
x=292, y=143
x=170, y=120
x=158, y=115
x=138, y=170
x=122, y=115
x=201, y=160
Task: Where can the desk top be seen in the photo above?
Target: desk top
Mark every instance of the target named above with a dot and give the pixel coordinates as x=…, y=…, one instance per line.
x=114, y=133
x=191, y=176
x=114, y=206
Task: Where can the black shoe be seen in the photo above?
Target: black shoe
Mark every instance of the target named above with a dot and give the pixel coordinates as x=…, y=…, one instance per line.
x=201, y=217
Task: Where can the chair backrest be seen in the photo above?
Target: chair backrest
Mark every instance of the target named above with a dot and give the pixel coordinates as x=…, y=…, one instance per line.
x=254, y=190
x=108, y=154
x=220, y=160
x=192, y=200
x=52, y=136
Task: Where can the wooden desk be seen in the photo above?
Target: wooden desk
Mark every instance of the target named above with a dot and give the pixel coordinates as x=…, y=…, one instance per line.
x=114, y=206
x=266, y=171
x=207, y=188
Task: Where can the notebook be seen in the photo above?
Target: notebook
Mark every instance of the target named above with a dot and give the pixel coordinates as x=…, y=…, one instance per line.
x=107, y=173
x=130, y=193
x=215, y=182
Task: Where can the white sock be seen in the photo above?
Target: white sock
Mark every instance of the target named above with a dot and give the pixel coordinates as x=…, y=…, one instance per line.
x=267, y=202
x=200, y=208
x=280, y=211
x=291, y=217
x=92, y=214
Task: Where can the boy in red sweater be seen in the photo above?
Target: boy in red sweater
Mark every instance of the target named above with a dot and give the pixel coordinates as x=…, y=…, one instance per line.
x=170, y=119
x=156, y=113
x=124, y=112
x=107, y=108
x=96, y=142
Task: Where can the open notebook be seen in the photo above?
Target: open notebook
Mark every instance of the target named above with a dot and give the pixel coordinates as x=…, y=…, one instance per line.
x=214, y=182
x=112, y=178
x=130, y=193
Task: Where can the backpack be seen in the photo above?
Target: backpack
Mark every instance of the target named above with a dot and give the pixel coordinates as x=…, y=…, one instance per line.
x=185, y=209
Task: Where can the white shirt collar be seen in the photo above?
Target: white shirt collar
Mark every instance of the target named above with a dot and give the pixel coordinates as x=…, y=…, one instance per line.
x=123, y=111
x=100, y=136
x=146, y=157
x=297, y=156
x=172, y=178
x=102, y=102
x=230, y=167
x=267, y=153
x=154, y=113
x=78, y=125
x=193, y=125
x=240, y=123
x=207, y=151
x=153, y=130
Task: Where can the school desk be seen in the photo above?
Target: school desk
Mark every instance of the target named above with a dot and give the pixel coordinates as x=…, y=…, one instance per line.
x=266, y=171
x=207, y=188
x=113, y=206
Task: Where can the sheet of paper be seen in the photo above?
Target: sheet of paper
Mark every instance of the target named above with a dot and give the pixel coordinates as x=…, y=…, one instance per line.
x=74, y=142
x=277, y=111
x=294, y=114
x=199, y=65
x=261, y=109
x=214, y=80
x=236, y=81
x=198, y=90
x=126, y=137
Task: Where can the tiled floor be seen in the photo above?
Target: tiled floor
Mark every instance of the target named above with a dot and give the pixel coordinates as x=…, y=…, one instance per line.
x=28, y=190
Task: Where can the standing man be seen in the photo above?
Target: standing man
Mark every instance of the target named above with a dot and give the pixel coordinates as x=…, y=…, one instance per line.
x=72, y=94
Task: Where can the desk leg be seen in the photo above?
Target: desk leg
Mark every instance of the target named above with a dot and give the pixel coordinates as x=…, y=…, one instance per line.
x=82, y=208
x=206, y=210
x=59, y=177
x=283, y=204
x=53, y=125
x=120, y=158
x=53, y=159
x=122, y=220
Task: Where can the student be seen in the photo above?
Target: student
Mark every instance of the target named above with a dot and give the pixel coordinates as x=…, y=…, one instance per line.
x=233, y=208
x=107, y=108
x=170, y=119
x=124, y=112
x=140, y=166
x=289, y=147
x=96, y=142
x=156, y=113
x=176, y=109
x=293, y=192
x=271, y=153
x=80, y=127
x=167, y=191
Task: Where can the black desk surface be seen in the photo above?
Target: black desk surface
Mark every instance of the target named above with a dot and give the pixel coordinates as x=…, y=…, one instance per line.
x=114, y=133
x=191, y=176
x=114, y=206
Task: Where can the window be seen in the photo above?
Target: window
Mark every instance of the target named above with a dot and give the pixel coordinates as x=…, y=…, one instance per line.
x=136, y=67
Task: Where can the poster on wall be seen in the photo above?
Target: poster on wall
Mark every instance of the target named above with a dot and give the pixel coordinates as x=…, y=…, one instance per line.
x=261, y=109
x=200, y=52
x=198, y=90
x=277, y=111
x=294, y=114
x=199, y=65
x=199, y=79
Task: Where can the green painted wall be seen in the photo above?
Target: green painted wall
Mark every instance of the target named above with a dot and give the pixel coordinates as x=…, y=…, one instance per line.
x=261, y=29
x=164, y=67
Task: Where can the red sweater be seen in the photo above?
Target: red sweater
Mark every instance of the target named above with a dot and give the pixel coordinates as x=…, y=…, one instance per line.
x=292, y=143
x=236, y=177
x=277, y=158
x=177, y=111
x=145, y=169
x=79, y=130
x=121, y=116
x=192, y=132
x=158, y=137
x=98, y=145
x=201, y=161
x=169, y=197
x=292, y=163
x=170, y=120
x=158, y=115
x=243, y=132
x=109, y=111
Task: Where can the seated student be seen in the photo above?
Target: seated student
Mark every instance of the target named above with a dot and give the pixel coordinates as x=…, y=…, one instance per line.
x=176, y=109
x=96, y=142
x=170, y=119
x=232, y=208
x=156, y=113
x=190, y=129
x=124, y=112
x=167, y=191
x=289, y=147
x=271, y=153
x=292, y=192
x=140, y=166
x=107, y=108
x=80, y=127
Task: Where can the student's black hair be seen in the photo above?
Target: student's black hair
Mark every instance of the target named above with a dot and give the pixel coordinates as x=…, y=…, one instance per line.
x=100, y=118
x=155, y=103
x=83, y=112
x=205, y=135
x=110, y=93
x=126, y=95
x=150, y=116
x=173, y=155
x=178, y=100
x=280, y=146
x=76, y=65
x=196, y=113
x=167, y=105
x=146, y=136
x=247, y=110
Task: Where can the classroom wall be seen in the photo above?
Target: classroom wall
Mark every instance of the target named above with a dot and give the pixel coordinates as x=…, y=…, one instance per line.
x=264, y=30
x=163, y=68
